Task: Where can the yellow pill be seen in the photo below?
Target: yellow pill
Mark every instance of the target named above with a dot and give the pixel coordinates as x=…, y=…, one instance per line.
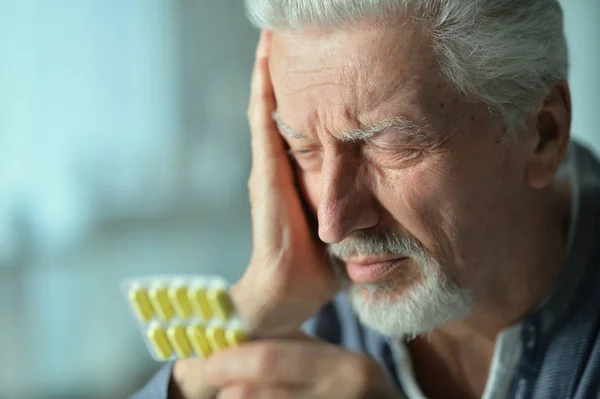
x=158, y=338
x=221, y=304
x=138, y=297
x=180, y=301
x=161, y=303
x=216, y=337
x=199, y=341
x=179, y=341
x=235, y=337
x=199, y=300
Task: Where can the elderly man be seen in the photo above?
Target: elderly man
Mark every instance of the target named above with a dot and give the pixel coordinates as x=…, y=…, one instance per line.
x=433, y=224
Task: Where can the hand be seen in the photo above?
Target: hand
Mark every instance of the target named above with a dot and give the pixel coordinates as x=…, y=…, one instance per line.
x=296, y=369
x=187, y=382
x=289, y=278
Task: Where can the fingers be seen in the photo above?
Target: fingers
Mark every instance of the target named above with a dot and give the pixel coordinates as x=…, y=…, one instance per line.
x=304, y=367
x=249, y=391
x=270, y=363
x=264, y=44
x=269, y=156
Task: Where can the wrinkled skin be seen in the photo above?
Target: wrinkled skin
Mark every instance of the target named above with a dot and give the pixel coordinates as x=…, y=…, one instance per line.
x=485, y=207
x=459, y=189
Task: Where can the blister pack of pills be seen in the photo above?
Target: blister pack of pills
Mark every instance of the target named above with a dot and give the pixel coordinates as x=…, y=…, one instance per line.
x=184, y=316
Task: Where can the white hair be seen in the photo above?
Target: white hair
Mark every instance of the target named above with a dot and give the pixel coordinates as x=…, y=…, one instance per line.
x=506, y=53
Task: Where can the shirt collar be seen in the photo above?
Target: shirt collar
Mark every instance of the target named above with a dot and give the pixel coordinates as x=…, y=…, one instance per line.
x=578, y=249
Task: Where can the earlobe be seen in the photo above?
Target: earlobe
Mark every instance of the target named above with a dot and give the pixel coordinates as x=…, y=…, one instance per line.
x=541, y=173
x=552, y=134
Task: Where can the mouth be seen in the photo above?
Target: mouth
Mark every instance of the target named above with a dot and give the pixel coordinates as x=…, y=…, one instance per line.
x=372, y=269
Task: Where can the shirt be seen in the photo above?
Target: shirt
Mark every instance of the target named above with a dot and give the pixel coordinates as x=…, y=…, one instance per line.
x=554, y=352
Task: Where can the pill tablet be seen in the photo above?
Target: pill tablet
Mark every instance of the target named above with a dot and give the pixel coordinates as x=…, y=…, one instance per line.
x=199, y=340
x=199, y=300
x=140, y=300
x=184, y=316
x=235, y=337
x=179, y=340
x=161, y=303
x=219, y=299
x=179, y=297
x=158, y=338
x=216, y=337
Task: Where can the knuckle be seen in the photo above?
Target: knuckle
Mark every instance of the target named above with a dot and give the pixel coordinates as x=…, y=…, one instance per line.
x=249, y=114
x=266, y=361
x=240, y=391
x=252, y=198
x=246, y=392
x=254, y=116
x=252, y=184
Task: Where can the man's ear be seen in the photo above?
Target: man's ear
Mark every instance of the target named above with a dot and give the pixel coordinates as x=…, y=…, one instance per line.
x=551, y=136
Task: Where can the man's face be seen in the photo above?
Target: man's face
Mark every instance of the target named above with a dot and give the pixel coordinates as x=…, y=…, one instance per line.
x=418, y=208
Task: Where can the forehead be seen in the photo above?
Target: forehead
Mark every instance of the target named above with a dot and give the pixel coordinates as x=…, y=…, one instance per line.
x=338, y=77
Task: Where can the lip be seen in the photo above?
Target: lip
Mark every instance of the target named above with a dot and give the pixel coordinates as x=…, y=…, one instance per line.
x=372, y=269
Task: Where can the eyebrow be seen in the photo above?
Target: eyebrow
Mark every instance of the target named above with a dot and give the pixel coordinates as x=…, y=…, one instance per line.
x=408, y=126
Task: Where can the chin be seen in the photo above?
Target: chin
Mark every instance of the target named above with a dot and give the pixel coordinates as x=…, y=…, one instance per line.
x=401, y=310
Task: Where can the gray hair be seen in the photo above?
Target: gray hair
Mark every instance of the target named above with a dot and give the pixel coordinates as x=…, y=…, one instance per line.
x=506, y=53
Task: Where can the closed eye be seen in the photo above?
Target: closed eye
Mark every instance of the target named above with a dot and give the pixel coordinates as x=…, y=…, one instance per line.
x=307, y=158
x=303, y=156
x=302, y=151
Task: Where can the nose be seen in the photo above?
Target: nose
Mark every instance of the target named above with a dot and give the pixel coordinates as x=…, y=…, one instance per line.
x=347, y=203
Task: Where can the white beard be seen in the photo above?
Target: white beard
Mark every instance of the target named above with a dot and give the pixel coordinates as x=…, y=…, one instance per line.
x=427, y=304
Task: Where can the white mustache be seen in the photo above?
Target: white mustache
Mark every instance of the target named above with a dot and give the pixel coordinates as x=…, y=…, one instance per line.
x=372, y=244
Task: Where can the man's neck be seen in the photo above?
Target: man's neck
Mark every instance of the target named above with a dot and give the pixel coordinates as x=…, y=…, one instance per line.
x=444, y=369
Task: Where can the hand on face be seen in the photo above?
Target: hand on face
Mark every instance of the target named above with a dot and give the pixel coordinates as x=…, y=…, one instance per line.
x=288, y=279
x=296, y=369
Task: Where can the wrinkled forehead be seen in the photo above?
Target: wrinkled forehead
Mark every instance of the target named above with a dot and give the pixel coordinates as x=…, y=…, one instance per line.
x=358, y=69
x=359, y=52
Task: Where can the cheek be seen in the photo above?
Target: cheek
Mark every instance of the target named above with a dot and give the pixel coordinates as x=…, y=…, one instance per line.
x=436, y=203
x=417, y=201
x=459, y=209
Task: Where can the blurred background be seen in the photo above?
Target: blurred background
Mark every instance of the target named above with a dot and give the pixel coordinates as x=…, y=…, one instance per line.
x=124, y=151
